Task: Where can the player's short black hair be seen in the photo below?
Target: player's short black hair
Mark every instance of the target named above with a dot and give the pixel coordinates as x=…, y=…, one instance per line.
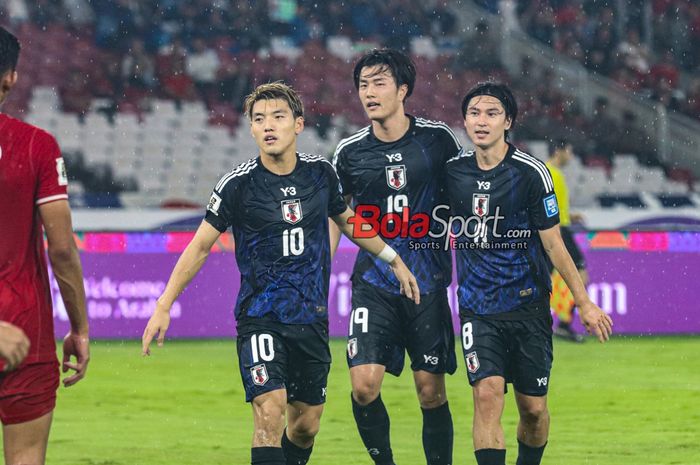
x=9, y=51
x=497, y=90
x=400, y=65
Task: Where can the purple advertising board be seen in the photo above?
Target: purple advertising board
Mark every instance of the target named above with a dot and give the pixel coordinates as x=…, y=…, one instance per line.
x=646, y=283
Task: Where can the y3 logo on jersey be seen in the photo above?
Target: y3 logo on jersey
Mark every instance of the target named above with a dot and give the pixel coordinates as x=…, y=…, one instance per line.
x=483, y=185
x=394, y=157
x=288, y=191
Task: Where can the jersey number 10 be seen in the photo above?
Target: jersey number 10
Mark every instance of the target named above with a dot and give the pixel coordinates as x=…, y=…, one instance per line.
x=292, y=242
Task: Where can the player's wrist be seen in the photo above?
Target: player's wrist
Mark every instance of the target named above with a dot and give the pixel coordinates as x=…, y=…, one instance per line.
x=387, y=255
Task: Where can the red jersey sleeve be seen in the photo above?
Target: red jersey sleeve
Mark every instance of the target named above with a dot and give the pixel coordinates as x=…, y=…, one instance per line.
x=52, y=180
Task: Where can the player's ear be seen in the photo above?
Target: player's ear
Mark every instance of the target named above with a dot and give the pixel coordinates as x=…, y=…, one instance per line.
x=508, y=123
x=9, y=79
x=403, y=90
x=298, y=125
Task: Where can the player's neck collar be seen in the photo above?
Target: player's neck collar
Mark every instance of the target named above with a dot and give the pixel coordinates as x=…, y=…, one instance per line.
x=493, y=161
x=406, y=134
x=281, y=168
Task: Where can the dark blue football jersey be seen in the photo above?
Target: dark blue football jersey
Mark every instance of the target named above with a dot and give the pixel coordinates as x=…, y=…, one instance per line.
x=501, y=263
x=407, y=173
x=280, y=225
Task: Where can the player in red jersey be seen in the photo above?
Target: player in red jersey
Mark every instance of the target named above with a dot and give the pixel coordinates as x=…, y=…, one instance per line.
x=33, y=192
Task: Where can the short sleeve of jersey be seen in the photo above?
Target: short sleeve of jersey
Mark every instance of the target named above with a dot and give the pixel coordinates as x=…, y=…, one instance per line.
x=543, y=208
x=220, y=210
x=336, y=202
x=51, y=169
x=450, y=144
x=342, y=173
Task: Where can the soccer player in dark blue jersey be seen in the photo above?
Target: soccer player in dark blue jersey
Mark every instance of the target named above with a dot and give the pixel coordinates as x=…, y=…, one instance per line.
x=396, y=166
x=278, y=205
x=508, y=220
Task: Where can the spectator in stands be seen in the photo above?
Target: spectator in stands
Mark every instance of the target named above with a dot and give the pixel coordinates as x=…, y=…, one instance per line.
x=604, y=129
x=633, y=53
x=633, y=140
x=235, y=82
x=665, y=68
x=138, y=67
x=176, y=84
x=202, y=67
x=599, y=56
x=692, y=103
x=76, y=94
x=479, y=51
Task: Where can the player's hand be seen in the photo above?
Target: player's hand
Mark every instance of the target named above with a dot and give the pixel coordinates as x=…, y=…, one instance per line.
x=409, y=285
x=158, y=324
x=14, y=345
x=596, y=321
x=75, y=344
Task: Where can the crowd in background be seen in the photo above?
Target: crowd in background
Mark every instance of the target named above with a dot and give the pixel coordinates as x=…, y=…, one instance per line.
x=211, y=51
x=653, y=53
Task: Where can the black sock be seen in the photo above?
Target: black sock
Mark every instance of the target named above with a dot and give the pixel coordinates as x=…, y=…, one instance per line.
x=490, y=456
x=373, y=424
x=437, y=435
x=529, y=455
x=267, y=456
x=295, y=455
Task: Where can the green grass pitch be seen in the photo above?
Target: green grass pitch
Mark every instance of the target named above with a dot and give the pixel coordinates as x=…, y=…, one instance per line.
x=632, y=401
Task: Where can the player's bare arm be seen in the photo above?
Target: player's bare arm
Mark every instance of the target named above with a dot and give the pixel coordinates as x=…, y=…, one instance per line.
x=14, y=345
x=186, y=268
x=333, y=230
x=65, y=262
x=376, y=246
x=593, y=318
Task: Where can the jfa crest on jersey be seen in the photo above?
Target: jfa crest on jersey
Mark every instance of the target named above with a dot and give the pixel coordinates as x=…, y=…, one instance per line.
x=481, y=204
x=396, y=176
x=404, y=174
x=282, y=244
x=291, y=211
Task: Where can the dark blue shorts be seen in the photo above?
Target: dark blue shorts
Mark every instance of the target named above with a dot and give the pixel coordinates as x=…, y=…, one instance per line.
x=518, y=350
x=384, y=326
x=274, y=355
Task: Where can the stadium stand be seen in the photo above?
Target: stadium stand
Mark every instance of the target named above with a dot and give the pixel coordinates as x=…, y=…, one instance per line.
x=146, y=103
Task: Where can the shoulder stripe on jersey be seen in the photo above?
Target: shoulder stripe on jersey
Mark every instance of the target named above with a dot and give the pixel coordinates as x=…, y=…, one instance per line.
x=462, y=153
x=241, y=169
x=51, y=198
x=538, y=166
x=361, y=134
x=438, y=124
x=312, y=158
